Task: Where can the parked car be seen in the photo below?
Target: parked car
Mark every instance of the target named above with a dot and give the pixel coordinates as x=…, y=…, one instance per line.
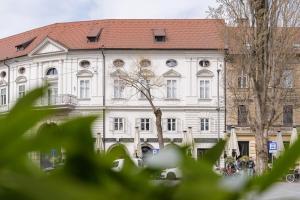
x=171, y=174
x=119, y=164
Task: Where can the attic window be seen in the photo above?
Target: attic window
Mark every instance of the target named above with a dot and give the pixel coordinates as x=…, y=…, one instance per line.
x=159, y=35
x=94, y=34
x=23, y=45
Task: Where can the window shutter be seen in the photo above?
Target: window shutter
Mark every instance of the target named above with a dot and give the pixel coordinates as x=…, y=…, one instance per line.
x=138, y=123
x=178, y=125
x=126, y=125
x=164, y=124
x=151, y=124
x=111, y=124
x=212, y=125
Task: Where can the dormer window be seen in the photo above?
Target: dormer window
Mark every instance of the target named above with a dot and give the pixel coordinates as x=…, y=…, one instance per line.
x=51, y=72
x=159, y=35
x=24, y=45
x=94, y=34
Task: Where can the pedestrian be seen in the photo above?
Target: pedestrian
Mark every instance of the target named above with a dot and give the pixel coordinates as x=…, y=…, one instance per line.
x=250, y=167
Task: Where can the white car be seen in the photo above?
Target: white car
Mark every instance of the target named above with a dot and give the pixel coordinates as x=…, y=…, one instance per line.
x=119, y=164
x=171, y=174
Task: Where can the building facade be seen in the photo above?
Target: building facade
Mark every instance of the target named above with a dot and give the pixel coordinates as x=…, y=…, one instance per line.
x=79, y=62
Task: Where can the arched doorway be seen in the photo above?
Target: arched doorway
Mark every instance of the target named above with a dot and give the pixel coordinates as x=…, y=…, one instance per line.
x=147, y=149
x=49, y=158
x=118, y=150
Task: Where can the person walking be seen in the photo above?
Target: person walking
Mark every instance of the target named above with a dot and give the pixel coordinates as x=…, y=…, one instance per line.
x=250, y=167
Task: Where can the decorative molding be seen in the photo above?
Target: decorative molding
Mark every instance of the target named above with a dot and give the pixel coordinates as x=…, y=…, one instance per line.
x=172, y=73
x=21, y=79
x=47, y=47
x=118, y=73
x=205, y=73
x=84, y=73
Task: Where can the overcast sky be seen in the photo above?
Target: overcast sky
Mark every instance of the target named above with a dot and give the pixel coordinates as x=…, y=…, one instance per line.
x=21, y=15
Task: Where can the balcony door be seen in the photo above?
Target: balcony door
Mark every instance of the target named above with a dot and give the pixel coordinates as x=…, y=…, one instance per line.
x=52, y=94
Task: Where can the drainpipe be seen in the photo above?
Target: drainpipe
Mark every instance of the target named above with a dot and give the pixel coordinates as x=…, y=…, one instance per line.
x=225, y=93
x=8, y=85
x=104, y=97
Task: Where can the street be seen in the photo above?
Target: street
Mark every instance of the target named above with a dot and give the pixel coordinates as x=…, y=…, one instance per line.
x=282, y=191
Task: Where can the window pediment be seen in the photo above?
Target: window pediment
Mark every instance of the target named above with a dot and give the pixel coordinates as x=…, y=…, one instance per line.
x=172, y=73
x=118, y=73
x=3, y=83
x=205, y=73
x=84, y=73
x=21, y=79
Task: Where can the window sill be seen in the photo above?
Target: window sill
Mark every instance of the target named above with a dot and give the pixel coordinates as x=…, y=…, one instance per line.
x=118, y=132
x=172, y=99
x=172, y=132
x=199, y=99
x=84, y=99
x=118, y=99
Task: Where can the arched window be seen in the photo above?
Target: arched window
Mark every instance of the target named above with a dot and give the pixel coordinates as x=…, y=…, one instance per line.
x=51, y=71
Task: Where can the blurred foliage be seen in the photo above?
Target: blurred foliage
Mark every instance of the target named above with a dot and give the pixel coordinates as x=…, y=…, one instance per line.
x=88, y=175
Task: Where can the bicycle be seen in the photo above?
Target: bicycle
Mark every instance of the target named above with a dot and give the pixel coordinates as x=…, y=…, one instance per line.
x=293, y=177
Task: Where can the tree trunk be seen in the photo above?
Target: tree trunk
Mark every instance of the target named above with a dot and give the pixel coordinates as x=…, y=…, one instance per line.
x=261, y=150
x=160, y=138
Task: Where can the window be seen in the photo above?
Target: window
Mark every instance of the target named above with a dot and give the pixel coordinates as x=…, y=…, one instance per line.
x=204, y=124
x=52, y=71
x=21, y=91
x=145, y=124
x=242, y=115
x=288, y=115
x=84, y=63
x=145, y=63
x=118, y=63
x=144, y=83
x=52, y=94
x=171, y=124
x=3, y=74
x=171, y=89
x=204, y=63
x=24, y=44
x=84, y=89
x=287, y=80
x=243, y=80
x=244, y=148
x=22, y=70
x=118, y=88
x=159, y=35
x=118, y=124
x=204, y=89
x=3, y=96
x=171, y=63
x=94, y=34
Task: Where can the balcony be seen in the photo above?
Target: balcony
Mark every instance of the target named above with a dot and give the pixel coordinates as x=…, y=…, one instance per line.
x=59, y=101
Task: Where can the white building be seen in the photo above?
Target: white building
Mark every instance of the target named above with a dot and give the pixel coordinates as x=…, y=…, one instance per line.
x=79, y=60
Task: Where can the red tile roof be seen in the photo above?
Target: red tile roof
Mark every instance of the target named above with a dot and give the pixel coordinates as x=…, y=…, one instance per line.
x=122, y=34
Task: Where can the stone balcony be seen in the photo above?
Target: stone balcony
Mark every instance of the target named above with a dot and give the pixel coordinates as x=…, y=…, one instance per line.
x=58, y=101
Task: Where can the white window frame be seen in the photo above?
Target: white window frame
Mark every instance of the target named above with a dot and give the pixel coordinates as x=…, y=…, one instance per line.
x=118, y=124
x=173, y=124
x=3, y=95
x=288, y=79
x=171, y=88
x=118, y=89
x=21, y=93
x=142, y=96
x=143, y=123
x=84, y=88
x=204, y=124
x=206, y=88
x=243, y=81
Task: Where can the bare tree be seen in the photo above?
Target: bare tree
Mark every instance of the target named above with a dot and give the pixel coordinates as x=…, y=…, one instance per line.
x=145, y=81
x=261, y=36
